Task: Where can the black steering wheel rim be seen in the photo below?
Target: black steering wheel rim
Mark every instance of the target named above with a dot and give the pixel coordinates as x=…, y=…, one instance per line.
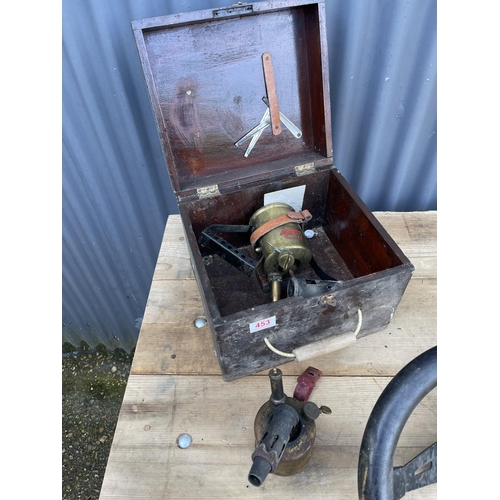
x=376, y=474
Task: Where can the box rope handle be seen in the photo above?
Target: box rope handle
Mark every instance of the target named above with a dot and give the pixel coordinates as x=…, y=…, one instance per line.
x=320, y=347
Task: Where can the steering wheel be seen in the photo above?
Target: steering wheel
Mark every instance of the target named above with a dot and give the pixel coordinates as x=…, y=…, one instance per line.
x=377, y=478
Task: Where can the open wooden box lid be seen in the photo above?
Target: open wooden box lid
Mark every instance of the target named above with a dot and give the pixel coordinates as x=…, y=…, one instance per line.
x=205, y=78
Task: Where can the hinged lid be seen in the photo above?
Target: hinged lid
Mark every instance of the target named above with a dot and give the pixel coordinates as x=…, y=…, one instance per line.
x=204, y=72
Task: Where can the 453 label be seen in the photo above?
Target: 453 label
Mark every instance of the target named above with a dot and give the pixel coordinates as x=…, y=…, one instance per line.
x=262, y=324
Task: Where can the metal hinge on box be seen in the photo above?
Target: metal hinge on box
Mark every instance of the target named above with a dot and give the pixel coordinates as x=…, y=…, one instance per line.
x=305, y=169
x=236, y=9
x=208, y=191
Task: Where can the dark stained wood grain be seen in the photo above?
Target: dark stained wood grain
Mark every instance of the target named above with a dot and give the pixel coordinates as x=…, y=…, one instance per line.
x=360, y=239
x=205, y=82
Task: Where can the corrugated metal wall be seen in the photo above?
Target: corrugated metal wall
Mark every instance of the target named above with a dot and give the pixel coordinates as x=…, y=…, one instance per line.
x=116, y=191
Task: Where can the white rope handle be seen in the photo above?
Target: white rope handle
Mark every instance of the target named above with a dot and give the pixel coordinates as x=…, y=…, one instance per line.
x=277, y=351
x=360, y=320
x=292, y=355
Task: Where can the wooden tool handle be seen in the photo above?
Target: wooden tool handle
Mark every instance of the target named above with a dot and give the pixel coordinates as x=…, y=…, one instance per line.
x=272, y=95
x=324, y=346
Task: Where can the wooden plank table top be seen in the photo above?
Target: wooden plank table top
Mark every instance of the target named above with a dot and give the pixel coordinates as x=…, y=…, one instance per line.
x=175, y=387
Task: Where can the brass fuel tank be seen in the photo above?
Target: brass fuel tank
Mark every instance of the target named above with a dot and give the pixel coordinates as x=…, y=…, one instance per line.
x=285, y=430
x=284, y=247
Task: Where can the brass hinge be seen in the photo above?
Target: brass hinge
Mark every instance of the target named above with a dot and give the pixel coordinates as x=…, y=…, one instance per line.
x=307, y=168
x=208, y=192
x=238, y=9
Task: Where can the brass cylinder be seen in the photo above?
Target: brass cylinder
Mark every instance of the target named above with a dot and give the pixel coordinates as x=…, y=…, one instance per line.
x=284, y=248
x=275, y=290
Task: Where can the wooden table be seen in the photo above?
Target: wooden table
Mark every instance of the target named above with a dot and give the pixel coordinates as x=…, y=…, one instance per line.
x=175, y=387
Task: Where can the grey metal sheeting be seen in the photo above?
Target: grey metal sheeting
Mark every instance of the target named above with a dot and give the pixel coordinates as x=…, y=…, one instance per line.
x=116, y=190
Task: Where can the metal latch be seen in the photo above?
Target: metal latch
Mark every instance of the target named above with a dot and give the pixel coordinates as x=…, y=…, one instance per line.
x=208, y=192
x=236, y=9
x=305, y=169
x=328, y=299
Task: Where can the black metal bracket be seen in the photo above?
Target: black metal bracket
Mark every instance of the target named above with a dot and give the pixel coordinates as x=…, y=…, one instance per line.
x=377, y=478
x=211, y=241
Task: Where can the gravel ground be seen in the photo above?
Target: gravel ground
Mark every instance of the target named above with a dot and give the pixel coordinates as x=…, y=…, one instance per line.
x=93, y=384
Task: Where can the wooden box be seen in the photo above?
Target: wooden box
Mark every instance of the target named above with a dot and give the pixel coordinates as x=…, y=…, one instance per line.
x=205, y=78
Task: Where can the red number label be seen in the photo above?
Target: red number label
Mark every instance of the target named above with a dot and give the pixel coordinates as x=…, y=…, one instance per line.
x=262, y=324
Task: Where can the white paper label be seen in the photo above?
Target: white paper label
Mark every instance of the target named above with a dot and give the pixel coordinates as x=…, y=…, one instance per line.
x=262, y=324
x=291, y=196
